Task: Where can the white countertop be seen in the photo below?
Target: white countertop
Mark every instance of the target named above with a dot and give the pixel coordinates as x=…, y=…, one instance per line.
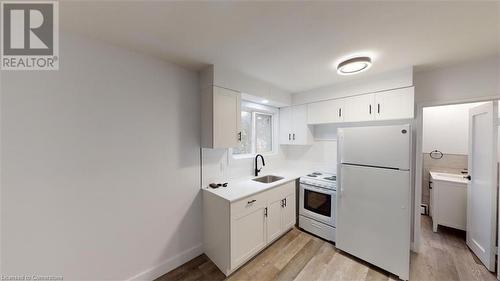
x=448, y=177
x=244, y=187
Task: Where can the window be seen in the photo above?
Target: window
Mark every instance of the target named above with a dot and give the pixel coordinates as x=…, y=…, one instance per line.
x=257, y=129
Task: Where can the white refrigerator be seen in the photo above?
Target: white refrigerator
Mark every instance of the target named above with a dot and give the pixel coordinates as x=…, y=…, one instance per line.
x=373, y=196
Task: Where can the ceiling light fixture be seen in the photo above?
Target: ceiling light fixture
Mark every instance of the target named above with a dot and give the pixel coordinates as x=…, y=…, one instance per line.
x=354, y=65
x=265, y=101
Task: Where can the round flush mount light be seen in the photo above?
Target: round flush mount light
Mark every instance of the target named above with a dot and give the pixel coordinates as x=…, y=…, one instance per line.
x=354, y=65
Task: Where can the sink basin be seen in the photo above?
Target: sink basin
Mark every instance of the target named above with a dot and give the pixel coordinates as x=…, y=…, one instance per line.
x=268, y=179
x=448, y=177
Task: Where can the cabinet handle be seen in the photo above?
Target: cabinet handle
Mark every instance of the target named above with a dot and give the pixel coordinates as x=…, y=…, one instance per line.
x=239, y=136
x=293, y=136
x=370, y=109
x=340, y=112
x=378, y=108
x=285, y=201
x=282, y=203
x=289, y=136
x=251, y=201
x=265, y=212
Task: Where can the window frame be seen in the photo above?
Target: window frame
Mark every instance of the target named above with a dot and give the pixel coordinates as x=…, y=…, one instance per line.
x=255, y=109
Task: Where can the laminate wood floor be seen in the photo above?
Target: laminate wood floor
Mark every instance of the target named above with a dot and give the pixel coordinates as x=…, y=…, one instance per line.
x=301, y=256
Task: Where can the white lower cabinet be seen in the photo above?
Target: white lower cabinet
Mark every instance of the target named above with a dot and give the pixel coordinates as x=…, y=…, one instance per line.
x=235, y=232
x=289, y=212
x=274, y=219
x=248, y=235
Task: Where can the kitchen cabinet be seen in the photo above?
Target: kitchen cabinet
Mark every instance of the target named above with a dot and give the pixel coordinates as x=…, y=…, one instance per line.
x=360, y=108
x=395, y=104
x=285, y=129
x=221, y=117
x=329, y=111
x=234, y=232
x=248, y=234
x=274, y=219
x=281, y=214
x=293, y=126
x=289, y=212
x=385, y=105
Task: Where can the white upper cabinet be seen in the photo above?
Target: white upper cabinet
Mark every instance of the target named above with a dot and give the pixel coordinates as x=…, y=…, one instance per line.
x=221, y=116
x=301, y=132
x=360, y=108
x=395, y=104
x=330, y=111
x=293, y=126
x=285, y=125
x=387, y=105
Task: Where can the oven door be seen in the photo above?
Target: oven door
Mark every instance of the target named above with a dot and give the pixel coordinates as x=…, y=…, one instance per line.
x=317, y=203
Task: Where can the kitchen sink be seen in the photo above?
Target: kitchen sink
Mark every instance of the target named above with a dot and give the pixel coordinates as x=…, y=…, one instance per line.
x=268, y=179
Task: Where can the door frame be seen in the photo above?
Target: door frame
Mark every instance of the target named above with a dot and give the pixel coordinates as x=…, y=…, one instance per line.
x=415, y=246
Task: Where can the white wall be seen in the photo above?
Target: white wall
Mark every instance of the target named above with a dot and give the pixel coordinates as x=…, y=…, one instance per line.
x=253, y=89
x=446, y=128
x=100, y=166
x=462, y=82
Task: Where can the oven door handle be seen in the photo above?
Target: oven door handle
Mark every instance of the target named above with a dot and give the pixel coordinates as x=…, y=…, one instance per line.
x=318, y=189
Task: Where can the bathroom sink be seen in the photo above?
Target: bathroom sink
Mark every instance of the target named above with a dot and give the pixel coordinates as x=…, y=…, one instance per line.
x=268, y=179
x=448, y=177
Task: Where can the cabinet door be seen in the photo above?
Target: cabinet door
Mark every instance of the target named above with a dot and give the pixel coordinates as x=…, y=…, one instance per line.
x=289, y=215
x=226, y=118
x=274, y=220
x=359, y=108
x=301, y=133
x=330, y=111
x=286, y=125
x=248, y=235
x=395, y=104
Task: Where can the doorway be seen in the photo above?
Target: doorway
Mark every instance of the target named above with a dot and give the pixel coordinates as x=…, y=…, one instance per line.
x=457, y=183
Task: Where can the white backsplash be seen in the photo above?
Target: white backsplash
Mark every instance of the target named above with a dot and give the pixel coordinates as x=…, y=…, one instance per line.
x=219, y=166
x=321, y=156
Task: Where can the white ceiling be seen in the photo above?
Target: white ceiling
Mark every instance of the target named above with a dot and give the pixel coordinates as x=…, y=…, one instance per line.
x=293, y=44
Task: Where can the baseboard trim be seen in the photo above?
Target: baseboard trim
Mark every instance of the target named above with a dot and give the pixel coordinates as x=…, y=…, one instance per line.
x=169, y=264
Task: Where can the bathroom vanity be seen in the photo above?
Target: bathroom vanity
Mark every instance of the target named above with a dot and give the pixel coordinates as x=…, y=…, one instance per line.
x=448, y=200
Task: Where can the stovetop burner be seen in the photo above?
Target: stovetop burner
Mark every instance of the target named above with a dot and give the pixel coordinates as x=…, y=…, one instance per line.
x=332, y=178
x=312, y=175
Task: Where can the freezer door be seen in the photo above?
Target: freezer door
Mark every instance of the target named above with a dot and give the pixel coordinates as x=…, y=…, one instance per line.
x=373, y=216
x=381, y=146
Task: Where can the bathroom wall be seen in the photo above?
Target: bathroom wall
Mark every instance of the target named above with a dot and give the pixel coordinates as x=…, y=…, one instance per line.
x=451, y=163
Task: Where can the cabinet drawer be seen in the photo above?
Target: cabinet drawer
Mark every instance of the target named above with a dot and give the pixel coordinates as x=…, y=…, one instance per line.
x=248, y=205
